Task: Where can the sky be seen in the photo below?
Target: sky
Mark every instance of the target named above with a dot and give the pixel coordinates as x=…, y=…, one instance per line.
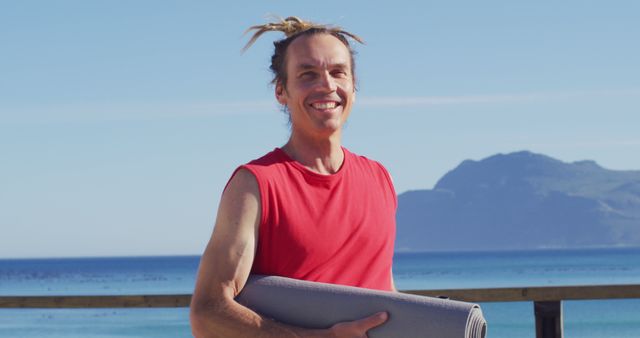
x=121, y=121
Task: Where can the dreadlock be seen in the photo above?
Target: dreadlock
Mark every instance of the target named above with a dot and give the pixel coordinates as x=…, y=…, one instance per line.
x=294, y=27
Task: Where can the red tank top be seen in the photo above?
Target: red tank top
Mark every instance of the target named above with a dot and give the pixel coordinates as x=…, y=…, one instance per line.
x=337, y=228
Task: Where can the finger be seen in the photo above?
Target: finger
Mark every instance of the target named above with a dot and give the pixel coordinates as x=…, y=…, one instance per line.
x=373, y=321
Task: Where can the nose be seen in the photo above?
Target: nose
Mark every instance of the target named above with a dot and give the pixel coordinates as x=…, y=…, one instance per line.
x=327, y=82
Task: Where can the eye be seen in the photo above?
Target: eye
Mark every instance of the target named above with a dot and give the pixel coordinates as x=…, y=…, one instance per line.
x=307, y=75
x=340, y=73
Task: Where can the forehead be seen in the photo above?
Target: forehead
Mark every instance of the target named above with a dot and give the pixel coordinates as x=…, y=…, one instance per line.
x=318, y=50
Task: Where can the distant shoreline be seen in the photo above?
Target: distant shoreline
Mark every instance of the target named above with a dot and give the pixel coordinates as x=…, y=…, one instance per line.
x=399, y=252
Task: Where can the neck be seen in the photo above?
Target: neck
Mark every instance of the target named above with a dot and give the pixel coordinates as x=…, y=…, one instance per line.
x=323, y=156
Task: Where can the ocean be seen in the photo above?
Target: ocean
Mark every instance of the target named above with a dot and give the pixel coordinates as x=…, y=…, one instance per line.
x=428, y=270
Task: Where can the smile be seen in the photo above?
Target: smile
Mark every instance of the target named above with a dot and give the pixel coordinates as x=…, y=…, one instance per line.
x=325, y=105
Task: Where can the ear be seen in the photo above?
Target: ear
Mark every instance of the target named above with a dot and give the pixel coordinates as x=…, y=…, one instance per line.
x=281, y=94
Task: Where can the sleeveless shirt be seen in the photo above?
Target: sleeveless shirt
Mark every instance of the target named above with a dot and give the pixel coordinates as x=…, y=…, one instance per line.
x=337, y=228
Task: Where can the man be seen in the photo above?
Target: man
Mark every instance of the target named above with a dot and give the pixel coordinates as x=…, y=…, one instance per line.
x=310, y=210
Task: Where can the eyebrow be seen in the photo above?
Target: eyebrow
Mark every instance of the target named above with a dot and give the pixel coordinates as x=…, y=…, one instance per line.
x=305, y=66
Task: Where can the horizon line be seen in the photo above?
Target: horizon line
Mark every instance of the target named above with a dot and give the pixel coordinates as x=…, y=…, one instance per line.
x=83, y=112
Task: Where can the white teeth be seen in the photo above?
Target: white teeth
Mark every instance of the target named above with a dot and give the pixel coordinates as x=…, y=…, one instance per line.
x=324, y=105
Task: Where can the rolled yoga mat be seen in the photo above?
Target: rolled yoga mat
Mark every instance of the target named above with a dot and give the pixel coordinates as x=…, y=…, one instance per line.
x=320, y=305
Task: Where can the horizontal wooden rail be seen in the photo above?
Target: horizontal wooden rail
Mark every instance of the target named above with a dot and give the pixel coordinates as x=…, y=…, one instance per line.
x=67, y=302
x=521, y=294
x=536, y=294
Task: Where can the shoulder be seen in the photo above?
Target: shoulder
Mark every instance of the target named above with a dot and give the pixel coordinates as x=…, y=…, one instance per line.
x=364, y=161
x=242, y=179
x=255, y=176
x=273, y=157
x=249, y=177
x=242, y=187
x=267, y=165
x=374, y=168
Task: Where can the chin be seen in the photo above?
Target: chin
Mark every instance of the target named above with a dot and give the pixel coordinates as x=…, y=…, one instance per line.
x=332, y=128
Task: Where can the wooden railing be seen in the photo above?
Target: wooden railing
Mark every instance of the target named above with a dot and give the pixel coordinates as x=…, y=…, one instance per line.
x=547, y=300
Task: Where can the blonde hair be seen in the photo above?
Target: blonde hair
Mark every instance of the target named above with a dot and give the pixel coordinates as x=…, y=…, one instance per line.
x=292, y=26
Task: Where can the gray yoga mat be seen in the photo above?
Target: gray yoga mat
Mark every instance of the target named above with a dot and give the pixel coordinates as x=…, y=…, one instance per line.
x=320, y=305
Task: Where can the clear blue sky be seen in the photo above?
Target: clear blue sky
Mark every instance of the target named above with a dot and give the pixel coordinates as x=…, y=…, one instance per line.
x=121, y=121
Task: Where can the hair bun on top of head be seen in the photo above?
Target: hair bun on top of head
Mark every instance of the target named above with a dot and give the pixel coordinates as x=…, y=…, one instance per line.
x=292, y=26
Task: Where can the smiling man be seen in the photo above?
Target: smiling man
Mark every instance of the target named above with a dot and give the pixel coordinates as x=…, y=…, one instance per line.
x=309, y=210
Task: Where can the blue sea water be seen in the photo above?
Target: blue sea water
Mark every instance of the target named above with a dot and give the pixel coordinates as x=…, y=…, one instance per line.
x=169, y=275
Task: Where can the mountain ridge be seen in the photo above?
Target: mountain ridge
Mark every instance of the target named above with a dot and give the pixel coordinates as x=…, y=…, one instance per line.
x=522, y=200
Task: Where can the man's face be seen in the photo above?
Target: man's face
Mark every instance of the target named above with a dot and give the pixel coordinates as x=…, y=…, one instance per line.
x=320, y=87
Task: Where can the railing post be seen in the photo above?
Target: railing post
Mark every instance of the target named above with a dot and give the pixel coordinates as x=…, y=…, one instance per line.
x=548, y=319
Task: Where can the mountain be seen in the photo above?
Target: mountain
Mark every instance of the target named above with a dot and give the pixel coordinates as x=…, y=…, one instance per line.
x=522, y=200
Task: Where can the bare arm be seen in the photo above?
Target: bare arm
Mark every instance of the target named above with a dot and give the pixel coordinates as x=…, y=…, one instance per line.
x=224, y=269
x=393, y=285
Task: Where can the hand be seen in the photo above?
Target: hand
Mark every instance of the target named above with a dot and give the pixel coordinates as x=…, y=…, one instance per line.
x=358, y=328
